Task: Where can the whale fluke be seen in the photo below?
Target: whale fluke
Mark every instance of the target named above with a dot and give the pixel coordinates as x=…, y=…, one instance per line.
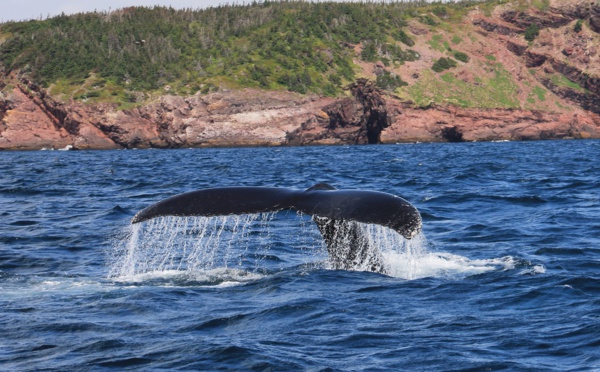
x=320, y=200
x=219, y=202
x=336, y=213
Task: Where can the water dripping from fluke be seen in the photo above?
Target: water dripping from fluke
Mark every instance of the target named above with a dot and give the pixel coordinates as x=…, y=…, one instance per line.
x=193, y=249
x=236, y=249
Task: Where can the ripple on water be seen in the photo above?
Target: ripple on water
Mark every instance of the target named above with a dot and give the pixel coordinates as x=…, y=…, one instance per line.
x=507, y=279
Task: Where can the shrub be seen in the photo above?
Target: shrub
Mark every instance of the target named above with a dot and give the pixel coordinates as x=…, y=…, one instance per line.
x=532, y=32
x=428, y=20
x=456, y=39
x=387, y=53
x=260, y=75
x=296, y=82
x=463, y=57
x=443, y=64
x=369, y=52
x=440, y=11
x=389, y=81
x=335, y=79
x=578, y=26
x=329, y=90
x=404, y=38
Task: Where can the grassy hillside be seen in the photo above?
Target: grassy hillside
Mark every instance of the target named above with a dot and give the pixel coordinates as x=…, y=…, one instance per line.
x=298, y=46
x=428, y=53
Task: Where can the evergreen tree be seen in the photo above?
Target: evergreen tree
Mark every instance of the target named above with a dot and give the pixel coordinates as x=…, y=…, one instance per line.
x=532, y=32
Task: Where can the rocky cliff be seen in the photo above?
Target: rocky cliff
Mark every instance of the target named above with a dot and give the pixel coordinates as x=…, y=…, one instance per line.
x=551, y=89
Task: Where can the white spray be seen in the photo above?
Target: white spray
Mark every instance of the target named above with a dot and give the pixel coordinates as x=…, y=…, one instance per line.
x=223, y=245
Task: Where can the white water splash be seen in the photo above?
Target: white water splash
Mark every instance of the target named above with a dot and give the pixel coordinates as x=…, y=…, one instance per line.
x=226, y=250
x=189, y=245
x=20, y=288
x=219, y=277
x=441, y=265
x=412, y=259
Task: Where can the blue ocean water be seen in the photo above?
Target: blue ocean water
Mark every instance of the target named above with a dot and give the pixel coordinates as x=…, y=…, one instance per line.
x=504, y=277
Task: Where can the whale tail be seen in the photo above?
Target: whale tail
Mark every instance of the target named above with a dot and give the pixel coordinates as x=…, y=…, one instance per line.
x=337, y=214
x=219, y=202
x=321, y=200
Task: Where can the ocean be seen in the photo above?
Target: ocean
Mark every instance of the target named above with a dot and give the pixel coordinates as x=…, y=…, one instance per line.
x=505, y=275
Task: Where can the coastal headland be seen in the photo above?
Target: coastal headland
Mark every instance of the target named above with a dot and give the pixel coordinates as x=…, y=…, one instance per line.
x=480, y=71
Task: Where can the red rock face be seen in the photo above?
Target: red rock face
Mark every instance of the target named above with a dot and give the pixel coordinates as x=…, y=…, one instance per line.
x=255, y=118
x=25, y=126
x=559, y=49
x=457, y=124
x=356, y=120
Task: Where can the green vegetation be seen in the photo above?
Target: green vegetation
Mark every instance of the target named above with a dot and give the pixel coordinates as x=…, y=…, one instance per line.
x=562, y=107
x=578, y=26
x=294, y=45
x=463, y=57
x=524, y=5
x=428, y=20
x=146, y=49
x=456, y=39
x=542, y=5
x=130, y=55
x=436, y=43
x=443, y=64
x=439, y=44
x=404, y=38
x=388, y=53
x=539, y=92
x=389, y=81
x=440, y=11
x=290, y=45
x=561, y=81
x=532, y=32
x=496, y=90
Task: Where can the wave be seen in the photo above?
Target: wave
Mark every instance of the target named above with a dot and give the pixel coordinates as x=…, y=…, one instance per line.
x=19, y=287
x=218, y=277
x=442, y=265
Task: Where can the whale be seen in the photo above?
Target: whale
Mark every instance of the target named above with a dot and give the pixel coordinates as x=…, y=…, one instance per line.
x=339, y=214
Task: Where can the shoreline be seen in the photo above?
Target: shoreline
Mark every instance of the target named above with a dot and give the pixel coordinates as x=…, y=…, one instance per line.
x=285, y=146
x=33, y=120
